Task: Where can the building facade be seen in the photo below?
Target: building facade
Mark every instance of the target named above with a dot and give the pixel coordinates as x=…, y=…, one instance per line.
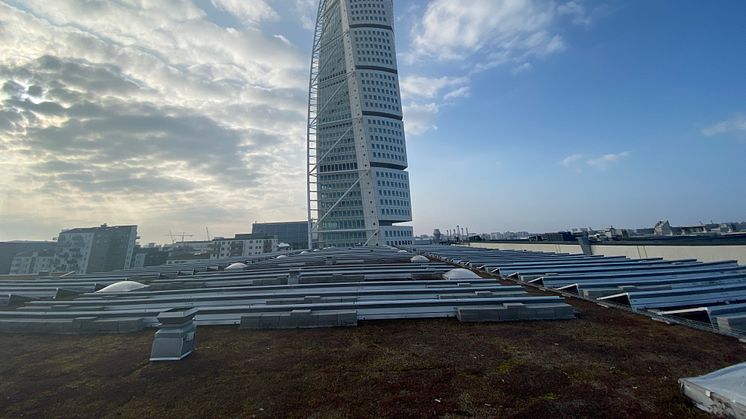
x=294, y=233
x=95, y=249
x=148, y=256
x=8, y=250
x=182, y=258
x=32, y=262
x=195, y=245
x=358, y=186
x=243, y=245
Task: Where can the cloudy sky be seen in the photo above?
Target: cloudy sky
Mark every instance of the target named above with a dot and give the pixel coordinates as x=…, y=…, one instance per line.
x=520, y=114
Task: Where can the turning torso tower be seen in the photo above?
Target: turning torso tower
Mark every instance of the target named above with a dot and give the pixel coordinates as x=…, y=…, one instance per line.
x=358, y=188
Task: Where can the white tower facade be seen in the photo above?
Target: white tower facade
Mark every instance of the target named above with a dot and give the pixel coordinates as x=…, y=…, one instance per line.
x=358, y=186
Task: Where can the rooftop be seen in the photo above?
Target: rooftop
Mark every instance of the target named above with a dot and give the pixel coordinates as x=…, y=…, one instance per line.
x=606, y=362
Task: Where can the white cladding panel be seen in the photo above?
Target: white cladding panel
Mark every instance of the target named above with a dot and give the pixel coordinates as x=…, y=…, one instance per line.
x=363, y=187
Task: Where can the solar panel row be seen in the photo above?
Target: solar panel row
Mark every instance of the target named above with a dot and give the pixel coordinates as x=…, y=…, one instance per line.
x=713, y=292
x=271, y=291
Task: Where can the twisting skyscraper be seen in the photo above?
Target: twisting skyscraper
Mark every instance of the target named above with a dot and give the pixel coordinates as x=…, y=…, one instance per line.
x=358, y=188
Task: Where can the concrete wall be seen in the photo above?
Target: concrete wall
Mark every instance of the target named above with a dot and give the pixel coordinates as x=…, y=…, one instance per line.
x=704, y=253
x=701, y=253
x=532, y=246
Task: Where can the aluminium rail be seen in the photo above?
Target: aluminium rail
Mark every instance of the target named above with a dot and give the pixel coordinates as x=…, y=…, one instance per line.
x=739, y=334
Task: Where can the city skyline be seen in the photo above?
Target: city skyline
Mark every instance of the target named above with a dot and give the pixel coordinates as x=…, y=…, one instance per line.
x=519, y=115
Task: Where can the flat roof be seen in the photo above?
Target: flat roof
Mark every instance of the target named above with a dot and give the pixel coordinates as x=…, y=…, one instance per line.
x=605, y=362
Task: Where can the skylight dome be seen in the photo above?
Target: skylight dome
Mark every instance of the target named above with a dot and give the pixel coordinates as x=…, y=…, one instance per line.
x=122, y=286
x=460, y=273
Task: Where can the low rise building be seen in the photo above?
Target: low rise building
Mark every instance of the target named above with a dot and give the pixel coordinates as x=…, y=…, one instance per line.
x=181, y=258
x=203, y=246
x=243, y=245
x=508, y=235
x=294, y=233
x=149, y=256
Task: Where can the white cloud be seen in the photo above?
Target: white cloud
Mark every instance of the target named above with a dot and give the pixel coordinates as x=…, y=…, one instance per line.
x=417, y=86
x=734, y=124
x=306, y=10
x=525, y=67
x=463, y=91
x=607, y=160
x=420, y=118
x=252, y=11
x=575, y=161
x=577, y=11
x=478, y=35
x=147, y=113
x=503, y=29
x=423, y=96
x=571, y=160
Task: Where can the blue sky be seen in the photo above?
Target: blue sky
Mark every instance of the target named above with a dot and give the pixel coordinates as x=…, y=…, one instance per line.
x=645, y=81
x=520, y=115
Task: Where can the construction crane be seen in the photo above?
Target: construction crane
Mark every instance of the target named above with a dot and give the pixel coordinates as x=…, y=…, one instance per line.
x=182, y=234
x=207, y=230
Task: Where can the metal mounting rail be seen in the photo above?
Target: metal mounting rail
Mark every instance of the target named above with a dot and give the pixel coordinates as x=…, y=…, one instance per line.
x=671, y=320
